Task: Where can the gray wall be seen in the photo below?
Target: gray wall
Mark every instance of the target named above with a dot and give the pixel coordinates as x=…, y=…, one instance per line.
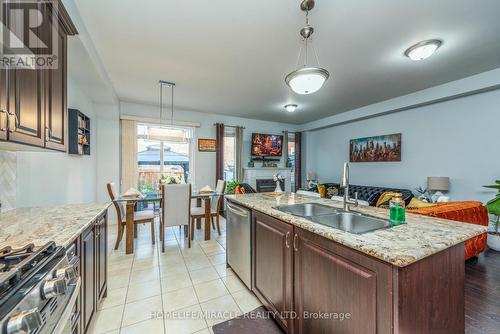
x=458, y=138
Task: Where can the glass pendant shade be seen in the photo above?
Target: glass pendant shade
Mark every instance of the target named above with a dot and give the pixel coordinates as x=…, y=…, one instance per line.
x=423, y=50
x=307, y=80
x=167, y=134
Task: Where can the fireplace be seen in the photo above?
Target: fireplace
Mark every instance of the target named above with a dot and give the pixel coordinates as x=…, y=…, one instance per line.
x=268, y=185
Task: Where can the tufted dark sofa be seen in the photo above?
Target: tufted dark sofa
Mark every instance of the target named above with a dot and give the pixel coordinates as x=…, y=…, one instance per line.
x=365, y=192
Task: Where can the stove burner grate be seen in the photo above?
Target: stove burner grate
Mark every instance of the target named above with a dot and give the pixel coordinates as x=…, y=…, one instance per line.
x=10, y=257
x=17, y=265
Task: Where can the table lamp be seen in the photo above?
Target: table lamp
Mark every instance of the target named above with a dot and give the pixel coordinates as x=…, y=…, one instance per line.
x=438, y=184
x=311, y=177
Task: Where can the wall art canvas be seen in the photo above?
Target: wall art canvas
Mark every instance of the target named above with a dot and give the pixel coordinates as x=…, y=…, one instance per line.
x=377, y=148
x=207, y=145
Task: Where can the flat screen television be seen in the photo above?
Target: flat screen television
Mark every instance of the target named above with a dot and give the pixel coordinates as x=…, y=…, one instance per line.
x=266, y=145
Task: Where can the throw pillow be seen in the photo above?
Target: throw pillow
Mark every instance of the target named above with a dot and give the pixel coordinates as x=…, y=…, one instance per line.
x=322, y=190
x=372, y=200
x=331, y=191
x=415, y=203
x=385, y=198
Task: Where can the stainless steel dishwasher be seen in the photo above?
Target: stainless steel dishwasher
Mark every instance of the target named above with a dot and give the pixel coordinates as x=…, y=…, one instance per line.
x=239, y=240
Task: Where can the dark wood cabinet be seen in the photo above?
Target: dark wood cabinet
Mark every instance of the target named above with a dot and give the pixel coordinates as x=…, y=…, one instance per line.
x=26, y=94
x=78, y=133
x=102, y=259
x=338, y=290
x=273, y=266
x=88, y=276
x=331, y=288
x=55, y=112
x=94, y=264
x=33, y=100
x=26, y=112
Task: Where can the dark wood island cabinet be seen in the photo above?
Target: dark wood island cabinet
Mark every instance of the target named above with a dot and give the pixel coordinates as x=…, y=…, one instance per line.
x=91, y=249
x=273, y=266
x=316, y=285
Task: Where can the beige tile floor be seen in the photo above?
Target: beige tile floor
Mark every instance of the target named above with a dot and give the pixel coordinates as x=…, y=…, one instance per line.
x=181, y=291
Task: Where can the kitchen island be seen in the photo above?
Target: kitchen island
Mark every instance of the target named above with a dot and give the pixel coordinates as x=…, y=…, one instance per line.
x=81, y=229
x=317, y=279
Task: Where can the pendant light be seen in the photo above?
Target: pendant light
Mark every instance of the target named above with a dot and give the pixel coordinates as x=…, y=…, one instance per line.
x=161, y=132
x=307, y=79
x=171, y=85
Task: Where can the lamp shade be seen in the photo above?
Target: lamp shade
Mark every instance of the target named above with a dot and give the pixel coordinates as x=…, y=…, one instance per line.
x=438, y=183
x=307, y=80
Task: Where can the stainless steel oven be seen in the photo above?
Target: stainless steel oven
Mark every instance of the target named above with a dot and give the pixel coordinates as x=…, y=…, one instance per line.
x=39, y=289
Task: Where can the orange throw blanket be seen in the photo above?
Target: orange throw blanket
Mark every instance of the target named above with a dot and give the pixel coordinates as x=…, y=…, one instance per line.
x=466, y=212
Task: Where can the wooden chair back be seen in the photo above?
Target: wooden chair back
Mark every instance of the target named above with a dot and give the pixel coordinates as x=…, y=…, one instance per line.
x=120, y=213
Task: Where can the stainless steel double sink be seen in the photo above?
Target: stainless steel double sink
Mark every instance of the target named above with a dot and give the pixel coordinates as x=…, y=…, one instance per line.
x=348, y=221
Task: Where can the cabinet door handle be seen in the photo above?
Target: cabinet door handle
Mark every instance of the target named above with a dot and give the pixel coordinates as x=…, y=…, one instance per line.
x=48, y=136
x=295, y=248
x=5, y=111
x=16, y=121
x=6, y=115
x=287, y=243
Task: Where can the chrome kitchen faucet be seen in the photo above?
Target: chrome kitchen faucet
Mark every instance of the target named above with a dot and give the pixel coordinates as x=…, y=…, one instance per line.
x=344, y=184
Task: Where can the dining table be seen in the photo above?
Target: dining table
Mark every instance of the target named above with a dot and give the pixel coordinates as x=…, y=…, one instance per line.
x=156, y=197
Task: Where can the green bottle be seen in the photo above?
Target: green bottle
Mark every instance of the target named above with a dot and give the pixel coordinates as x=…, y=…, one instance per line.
x=397, y=210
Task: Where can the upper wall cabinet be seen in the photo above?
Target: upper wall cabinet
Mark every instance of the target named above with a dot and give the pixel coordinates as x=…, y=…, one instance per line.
x=34, y=95
x=3, y=104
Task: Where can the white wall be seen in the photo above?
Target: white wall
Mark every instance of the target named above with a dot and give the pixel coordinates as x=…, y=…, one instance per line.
x=108, y=148
x=457, y=138
x=205, y=162
x=52, y=178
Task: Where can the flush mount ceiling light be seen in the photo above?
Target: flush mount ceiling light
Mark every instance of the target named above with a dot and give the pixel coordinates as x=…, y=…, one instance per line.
x=307, y=79
x=423, y=50
x=291, y=107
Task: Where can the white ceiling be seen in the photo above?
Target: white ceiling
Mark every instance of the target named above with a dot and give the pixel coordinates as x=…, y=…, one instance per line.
x=231, y=56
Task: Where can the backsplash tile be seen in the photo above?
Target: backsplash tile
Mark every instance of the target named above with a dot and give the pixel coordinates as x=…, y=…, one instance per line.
x=8, y=167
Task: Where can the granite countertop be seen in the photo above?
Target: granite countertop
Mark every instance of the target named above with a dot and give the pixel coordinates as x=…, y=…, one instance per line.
x=61, y=224
x=401, y=245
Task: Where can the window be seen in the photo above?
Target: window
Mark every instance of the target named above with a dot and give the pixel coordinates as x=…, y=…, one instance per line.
x=229, y=154
x=163, y=151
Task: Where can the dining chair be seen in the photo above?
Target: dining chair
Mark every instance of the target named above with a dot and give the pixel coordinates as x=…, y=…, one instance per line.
x=176, y=209
x=216, y=207
x=140, y=217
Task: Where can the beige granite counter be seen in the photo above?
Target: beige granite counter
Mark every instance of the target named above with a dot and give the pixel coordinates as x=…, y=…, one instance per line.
x=401, y=245
x=61, y=224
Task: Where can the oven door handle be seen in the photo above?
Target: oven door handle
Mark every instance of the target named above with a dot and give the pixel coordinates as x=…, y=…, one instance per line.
x=67, y=313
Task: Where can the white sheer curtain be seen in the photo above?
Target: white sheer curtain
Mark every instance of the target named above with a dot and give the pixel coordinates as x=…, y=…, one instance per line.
x=129, y=155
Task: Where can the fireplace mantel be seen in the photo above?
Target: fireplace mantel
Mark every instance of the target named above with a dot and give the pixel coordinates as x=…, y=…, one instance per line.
x=252, y=174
